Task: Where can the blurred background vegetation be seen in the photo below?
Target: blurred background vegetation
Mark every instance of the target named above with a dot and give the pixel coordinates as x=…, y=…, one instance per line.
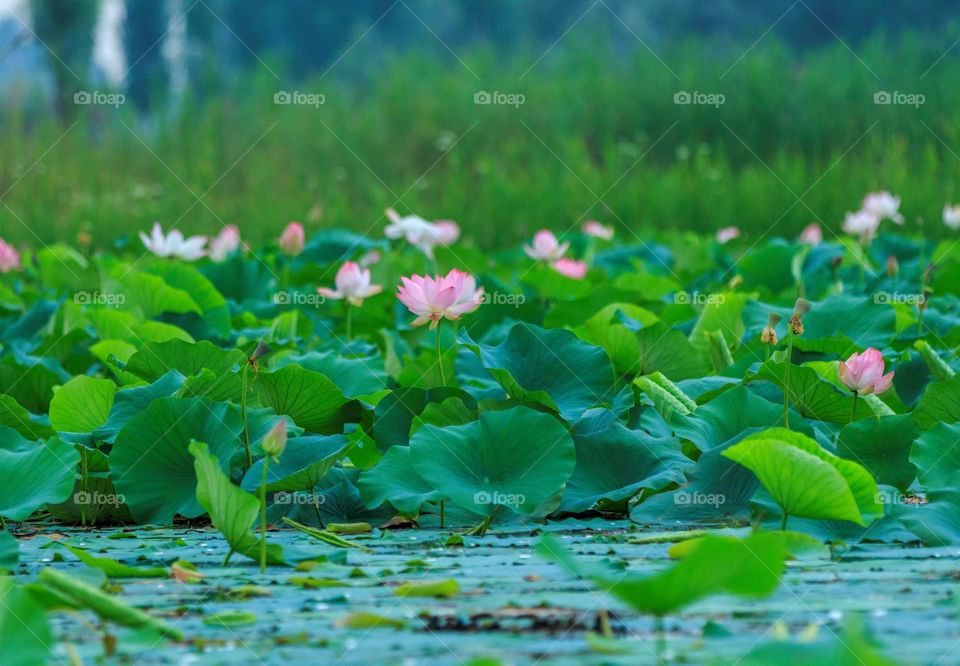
x=199, y=140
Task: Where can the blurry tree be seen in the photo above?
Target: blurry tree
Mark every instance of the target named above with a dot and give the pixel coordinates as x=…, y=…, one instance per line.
x=144, y=29
x=65, y=28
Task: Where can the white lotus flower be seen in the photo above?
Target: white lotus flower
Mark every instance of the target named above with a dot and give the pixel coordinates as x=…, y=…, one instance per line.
x=174, y=244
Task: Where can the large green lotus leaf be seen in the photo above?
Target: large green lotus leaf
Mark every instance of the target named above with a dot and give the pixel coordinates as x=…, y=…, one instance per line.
x=668, y=351
x=724, y=313
x=811, y=394
x=151, y=462
x=937, y=522
x=311, y=399
x=940, y=403
x=232, y=510
x=614, y=463
x=120, y=325
x=223, y=382
x=148, y=295
x=65, y=269
x=29, y=384
x=13, y=415
x=394, y=480
x=182, y=276
x=552, y=367
x=24, y=631
x=749, y=567
x=604, y=330
x=516, y=457
x=33, y=473
x=716, y=490
x=94, y=501
x=882, y=445
x=806, y=480
x=936, y=455
x=858, y=318
x=305, y=461
x=394, y=414
x=731, y=414
x=452, y=411
x=82, y=405
x=767, y=268
x=129, y=402
x=354, y=376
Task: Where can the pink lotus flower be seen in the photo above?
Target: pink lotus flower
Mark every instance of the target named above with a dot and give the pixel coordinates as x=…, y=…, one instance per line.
x=883, y=206
x=173, y=244
x=951, y=217
x=546, y=247
x=727, y=234
x=225, y=243
x=436, y=298
x=863, y=373
x=353, y=284
x=863, y=224
x=597, y=230
x=420, y=233
x=811, y=235
x=9, y=257
x=570, y=267
x=292, y=239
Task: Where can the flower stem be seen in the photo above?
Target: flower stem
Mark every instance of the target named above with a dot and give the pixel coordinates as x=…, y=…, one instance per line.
x=263, y=516
x=786, y=382
x=783, y=523
x=349, y=319
x=853, y=410
x=443, y=379
x=243, y=413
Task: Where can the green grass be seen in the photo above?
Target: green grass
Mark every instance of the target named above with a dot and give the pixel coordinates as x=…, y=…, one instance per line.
x=598, y=137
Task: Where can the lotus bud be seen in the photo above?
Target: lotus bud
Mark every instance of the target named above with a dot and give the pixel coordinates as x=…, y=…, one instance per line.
x=769, y=334
x=276, y=440
x=801, y=308
x=893, y=266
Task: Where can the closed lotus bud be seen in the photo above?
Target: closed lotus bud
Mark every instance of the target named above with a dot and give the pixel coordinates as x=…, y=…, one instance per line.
x=276, y=440
x=893, y=266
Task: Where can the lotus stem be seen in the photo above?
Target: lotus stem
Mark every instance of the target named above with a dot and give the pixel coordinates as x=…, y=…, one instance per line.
x=243, y=413
x=442, y=514
x=263, y=515
x=443, y=379
x=346, y=304
x=783, y=522
x=853, y=410
x=786, y=383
